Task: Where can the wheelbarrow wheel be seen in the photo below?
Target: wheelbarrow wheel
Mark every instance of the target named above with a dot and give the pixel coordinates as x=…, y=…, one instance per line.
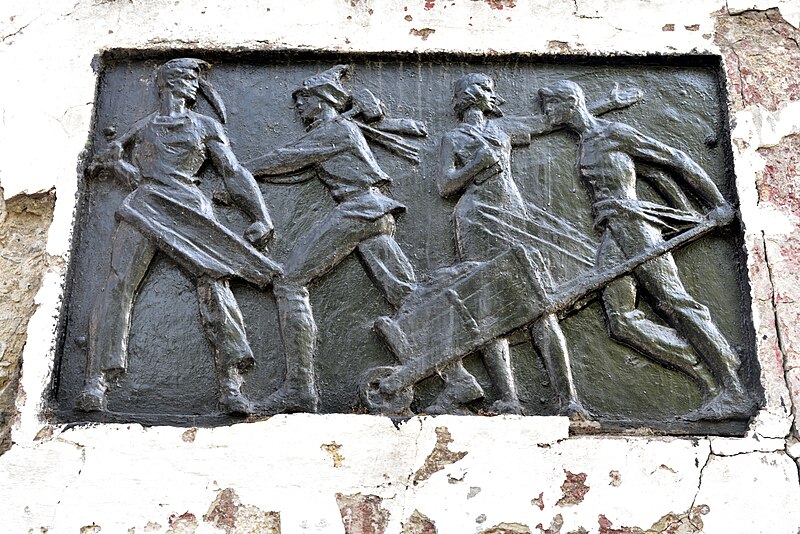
x=377, y=402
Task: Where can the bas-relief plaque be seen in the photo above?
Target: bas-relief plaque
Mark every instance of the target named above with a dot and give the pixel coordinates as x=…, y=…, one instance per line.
x=397, y=235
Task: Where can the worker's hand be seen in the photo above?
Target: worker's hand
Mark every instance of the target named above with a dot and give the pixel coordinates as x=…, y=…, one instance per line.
x=487, y=157
x=259, y=234
x=488, y=173
x=611, y=208
x=721, y=215
x=622, y=97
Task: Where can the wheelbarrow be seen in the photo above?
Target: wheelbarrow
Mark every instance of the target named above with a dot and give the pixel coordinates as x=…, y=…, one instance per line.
x=469, y=305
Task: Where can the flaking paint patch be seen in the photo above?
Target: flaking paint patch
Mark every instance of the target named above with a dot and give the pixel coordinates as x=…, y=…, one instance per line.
x=574, y=489
x=561, y=47
x=422, y=33
x=690, y=522
x=229, y=514
x=189, y=435
x=778, y=183
x=761, y=56
x=362, y=514
x=555, y=526
x=185, y=523
x=501, y=4
x=333, y=449
x=539, y=501
x=439, y=457
x=507, y=528
x=419, y=523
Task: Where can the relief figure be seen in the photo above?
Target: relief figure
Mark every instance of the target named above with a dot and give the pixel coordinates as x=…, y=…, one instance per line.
x=491, y=217
x=159, y=158
x=335, y=150
x=610, y=161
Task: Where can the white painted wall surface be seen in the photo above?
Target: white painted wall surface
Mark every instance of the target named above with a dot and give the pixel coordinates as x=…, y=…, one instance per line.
x=123, y=477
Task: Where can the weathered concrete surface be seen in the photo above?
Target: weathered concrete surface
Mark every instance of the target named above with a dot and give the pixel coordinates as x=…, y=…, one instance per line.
x=261, y=477
x=762, y=51
x=485, y=474
x=24, y=221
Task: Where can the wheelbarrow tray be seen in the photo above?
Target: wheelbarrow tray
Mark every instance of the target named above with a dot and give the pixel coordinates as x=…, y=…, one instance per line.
x=461, y=313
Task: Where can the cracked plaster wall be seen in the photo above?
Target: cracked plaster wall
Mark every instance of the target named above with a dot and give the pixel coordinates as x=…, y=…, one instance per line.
x=362, y=474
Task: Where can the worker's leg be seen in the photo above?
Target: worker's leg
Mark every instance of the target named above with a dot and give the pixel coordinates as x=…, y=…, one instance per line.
x=497, y=359
x=662, y=344
x=224, y=328
x=660, y=279
x=109, y=323
x=316, y=253
x=693, y=321
x=629, y=325
x=549, y=341
x=387, y=264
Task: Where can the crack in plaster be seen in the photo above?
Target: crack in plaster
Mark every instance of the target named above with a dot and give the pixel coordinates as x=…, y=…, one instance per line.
x=575, y=12
x=404, y=495
x=22, y=28
x=700, y=479
x=779, y=334
x=774, y=29
x=25, y=26
x=741, y=12
x=739, y=70
x=794, y=457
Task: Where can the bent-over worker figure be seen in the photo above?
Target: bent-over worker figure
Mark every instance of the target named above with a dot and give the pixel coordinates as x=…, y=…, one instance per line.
x=609, y=155
x=167, y=212
x=363, y=221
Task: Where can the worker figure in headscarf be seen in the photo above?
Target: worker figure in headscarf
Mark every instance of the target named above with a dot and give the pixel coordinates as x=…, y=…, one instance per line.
x=363, y=221
x=159, y=158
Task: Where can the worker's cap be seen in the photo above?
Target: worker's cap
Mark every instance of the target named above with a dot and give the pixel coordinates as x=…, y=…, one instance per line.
x=177, y=66
x=328, y=86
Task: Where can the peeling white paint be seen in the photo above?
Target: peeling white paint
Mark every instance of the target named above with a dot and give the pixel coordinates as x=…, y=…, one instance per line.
x=760, y=127
x=757, y=127
x=103, y=474
x=759, y=493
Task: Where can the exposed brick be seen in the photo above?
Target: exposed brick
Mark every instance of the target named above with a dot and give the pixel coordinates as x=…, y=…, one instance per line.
x=362, y=514
x=574, y=489
x=761, y=55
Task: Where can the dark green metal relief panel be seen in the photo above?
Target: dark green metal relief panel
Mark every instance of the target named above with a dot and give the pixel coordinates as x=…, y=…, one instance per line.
x=298, y=232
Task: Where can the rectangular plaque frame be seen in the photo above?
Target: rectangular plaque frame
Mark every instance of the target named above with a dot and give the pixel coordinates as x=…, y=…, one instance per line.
x=171, y=374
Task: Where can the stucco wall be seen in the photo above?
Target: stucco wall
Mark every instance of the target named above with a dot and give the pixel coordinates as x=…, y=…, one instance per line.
x=360, y=473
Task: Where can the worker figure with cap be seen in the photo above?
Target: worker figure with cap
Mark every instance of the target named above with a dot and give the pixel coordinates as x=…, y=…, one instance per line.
x=363, y=221
x=159, y=158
